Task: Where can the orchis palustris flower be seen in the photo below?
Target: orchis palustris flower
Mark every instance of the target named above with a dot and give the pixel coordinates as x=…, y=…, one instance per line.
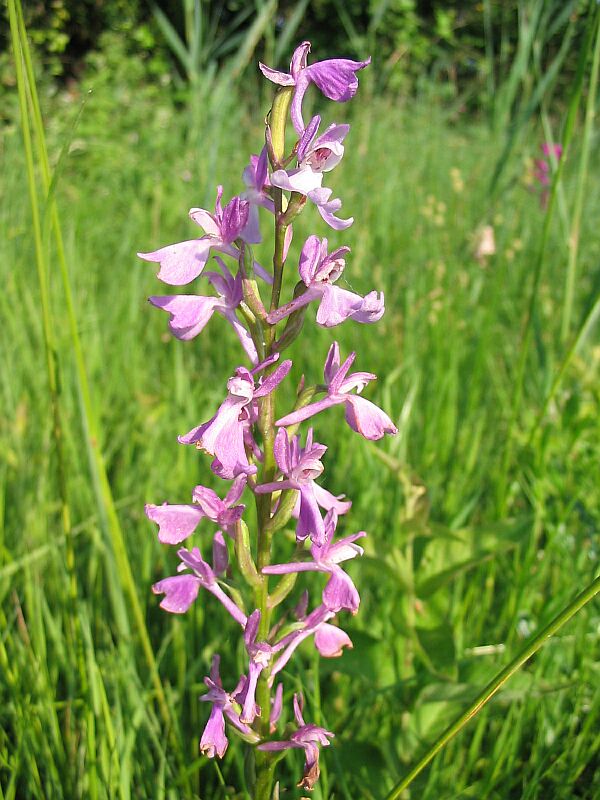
x=301, y=466
x=213, y=740
x=362, y=415
x=242, y=437
x=316, y=156
x=335, y=77
x=319, y=271
x=177, y=522
x=340, y=591
x=189, y=313
x=260, y=655
x=307, y=737
x=181, y=590
x=182, y=262
x=225, y=435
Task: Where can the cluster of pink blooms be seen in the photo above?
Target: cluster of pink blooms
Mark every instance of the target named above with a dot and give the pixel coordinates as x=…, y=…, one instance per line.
x=233, y=436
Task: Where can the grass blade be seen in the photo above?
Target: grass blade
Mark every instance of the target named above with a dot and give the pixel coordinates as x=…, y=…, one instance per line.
x=579, y=198
x=496, y=684
x=122, y=574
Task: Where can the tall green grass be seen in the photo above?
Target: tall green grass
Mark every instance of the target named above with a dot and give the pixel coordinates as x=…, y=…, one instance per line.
x=452, y=589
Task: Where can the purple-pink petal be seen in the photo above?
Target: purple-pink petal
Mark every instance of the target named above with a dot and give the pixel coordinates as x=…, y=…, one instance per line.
x=367, y=419
x=276, y=707
x=275, y=746
x=301, y=179
x=188, y=313
x=213, y=741
x=205, y=220
x=331, y=640
x=180, y=592
x=292, y=566
x=310, y=521
x=313, y=252
x=328, y=208
x=273, y=380
x=309, y=411
x=243, y=335
x=299, y=58
x=220, y=555
x=340, y=592
x=336, y=77
x=281, y=451
x=308, y=134
x=175, y=522
x=251, y=629
x=329, y=501
x=182, y=262
x=235, y=219
x=337, y=305
x=371, y=310
x=275, y=76
x=249, y=709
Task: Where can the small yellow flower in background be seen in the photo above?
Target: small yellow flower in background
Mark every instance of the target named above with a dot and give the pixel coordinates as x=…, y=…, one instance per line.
x=458, y=183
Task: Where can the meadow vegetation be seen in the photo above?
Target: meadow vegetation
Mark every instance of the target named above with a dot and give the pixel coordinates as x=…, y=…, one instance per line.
x=482, y=514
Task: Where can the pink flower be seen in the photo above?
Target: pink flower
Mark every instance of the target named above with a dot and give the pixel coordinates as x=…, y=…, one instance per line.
x=307, y=737
x=257, y=181
x=340, y=592
x=182, y=262
x=226, y=434
x=301, y=467
x=363, y=416
x=316, y=156
x=180, y=591
x=189, y=313
x=319, y=271
x=214, y=741
x=335, y=77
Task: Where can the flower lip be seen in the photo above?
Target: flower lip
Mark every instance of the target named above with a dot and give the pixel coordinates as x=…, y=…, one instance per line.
x=241, y=384
x=323, y=153
x=331, y=268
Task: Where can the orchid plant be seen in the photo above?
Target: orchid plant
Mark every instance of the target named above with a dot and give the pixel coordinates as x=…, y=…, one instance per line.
x=257, y=450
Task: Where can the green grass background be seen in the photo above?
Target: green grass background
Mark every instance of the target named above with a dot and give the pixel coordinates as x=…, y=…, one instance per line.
x=469, y=552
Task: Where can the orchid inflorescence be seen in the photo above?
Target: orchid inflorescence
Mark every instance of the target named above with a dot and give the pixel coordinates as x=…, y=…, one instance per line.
x=253, y=448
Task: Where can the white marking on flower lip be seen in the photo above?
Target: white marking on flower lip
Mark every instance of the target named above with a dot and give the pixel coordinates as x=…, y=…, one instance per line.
x=330, y=271
x=240, y=387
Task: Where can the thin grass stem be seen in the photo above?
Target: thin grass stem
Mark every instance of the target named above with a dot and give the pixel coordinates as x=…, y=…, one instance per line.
x=90, y=423
x=575, y=232
x=497, y=683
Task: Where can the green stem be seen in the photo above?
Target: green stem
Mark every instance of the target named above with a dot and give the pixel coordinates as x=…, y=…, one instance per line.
x=496, y=684
x=574, y=235
x=265, y=764
x=277, y=124
x=19, y=44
